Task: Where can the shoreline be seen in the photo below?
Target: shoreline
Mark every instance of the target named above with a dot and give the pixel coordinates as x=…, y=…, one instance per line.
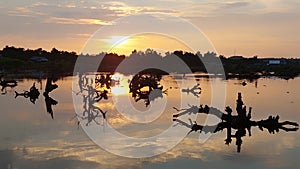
x=41, y=75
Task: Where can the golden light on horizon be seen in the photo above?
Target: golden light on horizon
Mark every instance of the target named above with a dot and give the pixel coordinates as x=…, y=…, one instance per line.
x=161, y=43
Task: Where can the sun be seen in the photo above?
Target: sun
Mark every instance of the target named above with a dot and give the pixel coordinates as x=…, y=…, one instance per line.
x=124, y=45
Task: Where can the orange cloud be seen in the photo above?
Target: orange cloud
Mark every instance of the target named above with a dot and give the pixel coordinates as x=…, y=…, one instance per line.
x=73, y=21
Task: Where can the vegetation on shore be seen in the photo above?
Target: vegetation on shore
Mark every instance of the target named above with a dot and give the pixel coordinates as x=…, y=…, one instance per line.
x=18, y=60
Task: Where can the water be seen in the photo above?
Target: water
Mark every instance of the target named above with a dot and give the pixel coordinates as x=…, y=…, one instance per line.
x=30, y=138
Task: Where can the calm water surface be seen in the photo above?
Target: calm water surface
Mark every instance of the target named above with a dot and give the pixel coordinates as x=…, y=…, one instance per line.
x=30, y=138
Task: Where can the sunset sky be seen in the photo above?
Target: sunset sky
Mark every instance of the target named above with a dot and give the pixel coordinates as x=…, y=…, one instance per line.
x=258, y=27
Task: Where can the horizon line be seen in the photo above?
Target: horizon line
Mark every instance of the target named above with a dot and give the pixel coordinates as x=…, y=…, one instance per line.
x=171, y=52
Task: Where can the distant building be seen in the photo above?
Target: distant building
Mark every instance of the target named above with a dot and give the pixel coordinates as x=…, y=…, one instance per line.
x=38, y=59
x=236, y=58
x=274, y=62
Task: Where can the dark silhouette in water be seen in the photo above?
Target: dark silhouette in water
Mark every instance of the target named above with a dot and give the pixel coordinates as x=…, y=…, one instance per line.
x=90, y=99
x=146, y=87
x=82, y=82
x=195, y=90
x=103, y=80
x=196, y=127
x=91, y=116
x=273, y=124
x=7, y=83
x=49, y=86
x=32, y=94
x=48, y=100
x=49, y=103
x=90, y=95
x=195, y=109
x=101, y=95
x=240, y=123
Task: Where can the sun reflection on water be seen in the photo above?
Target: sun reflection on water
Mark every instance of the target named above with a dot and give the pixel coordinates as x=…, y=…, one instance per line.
x=120, y=85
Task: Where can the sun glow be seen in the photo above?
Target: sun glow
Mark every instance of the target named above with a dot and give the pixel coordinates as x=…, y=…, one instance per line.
x=120, y=85
x=117, y=77
x=118, y=40
x=119, y=90
x=126, y=44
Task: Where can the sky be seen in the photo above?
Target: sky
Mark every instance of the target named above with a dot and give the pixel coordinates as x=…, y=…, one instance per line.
x=267, y=28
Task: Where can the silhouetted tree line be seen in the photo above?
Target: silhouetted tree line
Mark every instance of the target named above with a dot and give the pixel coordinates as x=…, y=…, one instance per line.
x=252, y=68
x=17, y=59
x=110, y=62
x=22, y=54
x=136, y=60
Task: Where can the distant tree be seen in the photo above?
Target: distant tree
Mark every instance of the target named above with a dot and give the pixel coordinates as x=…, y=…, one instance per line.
x=39, y=51
x=222, y=57
x=199, y=54
x=54, y=51
x=167, y=53
x=134, y=51
x=210, y=55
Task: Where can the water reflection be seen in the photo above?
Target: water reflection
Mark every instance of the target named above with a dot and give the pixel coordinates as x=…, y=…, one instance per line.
x=240, y=122
x=195, y=90
x=32, y=94
x=49, y=101
x=91, y=94
x=53, y=144
x=7, y=84
x=102, y=80
x=146, y=87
